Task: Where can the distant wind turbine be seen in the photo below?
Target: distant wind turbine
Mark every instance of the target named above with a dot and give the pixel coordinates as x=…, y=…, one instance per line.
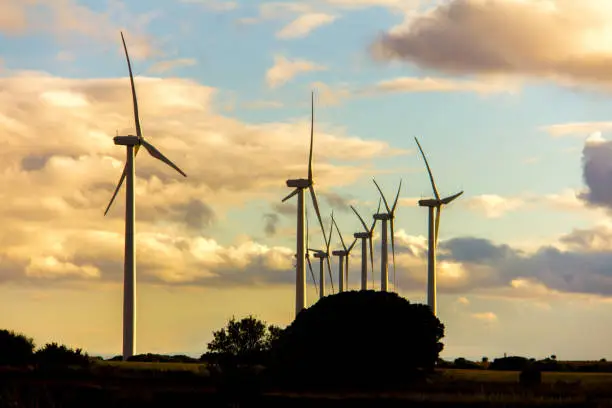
x=324, y=255
x=366, y=238
x=343, y=260
x=299, y=186
x=384, y=217
x=432, y=203
x=133, y=144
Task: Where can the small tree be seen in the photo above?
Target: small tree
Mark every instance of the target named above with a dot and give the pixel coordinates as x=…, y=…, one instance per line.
x=246, y=339
x=54, y=354
x=15, y=349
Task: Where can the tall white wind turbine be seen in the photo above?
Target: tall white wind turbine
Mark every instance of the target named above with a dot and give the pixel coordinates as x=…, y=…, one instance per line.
x=366, y=238
x=299, y=186
x=133, y=144
x=343, y=260
x=388, y=216
x=432, y=203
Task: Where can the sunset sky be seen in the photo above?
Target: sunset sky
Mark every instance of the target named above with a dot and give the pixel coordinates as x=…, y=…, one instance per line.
x=509, y=98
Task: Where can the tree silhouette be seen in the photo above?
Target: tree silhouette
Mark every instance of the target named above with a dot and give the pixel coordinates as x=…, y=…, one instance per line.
x=54, y=354
x=358, y=339
x=15, y=349
x=246, y=339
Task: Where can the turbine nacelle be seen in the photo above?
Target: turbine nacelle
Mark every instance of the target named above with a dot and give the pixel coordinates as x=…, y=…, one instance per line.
x=339, y=253
x=300, y=183
x=430, y=202
x=362, y=235
x=382, y=216
x=320, y=254
x=129, y=140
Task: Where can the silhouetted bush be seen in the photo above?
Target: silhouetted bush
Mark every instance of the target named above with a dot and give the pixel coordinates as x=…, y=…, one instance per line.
x=161, y=358
x=358, y=339
x=242, y=342
x=530, y=376
x=15, y=349
x=512, y=363
x=462, y=363
x=53, y=355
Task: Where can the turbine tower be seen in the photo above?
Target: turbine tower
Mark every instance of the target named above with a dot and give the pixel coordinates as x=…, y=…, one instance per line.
x=343, y=260
x=432, y=203
x=323, y=255
x=388, y=216
x=366, y=237
x=314, y=281
x=133, y=144
x=299, y=186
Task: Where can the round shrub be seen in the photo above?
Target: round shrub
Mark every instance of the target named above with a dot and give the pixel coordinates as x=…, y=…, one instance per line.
x=358, y=339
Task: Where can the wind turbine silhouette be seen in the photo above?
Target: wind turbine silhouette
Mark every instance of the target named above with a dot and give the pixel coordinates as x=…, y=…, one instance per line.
x=366, y=238
x=133, y=144
x=323, y=255
x=436, y=203
x=299, y=186
x=343, y=260
x=384, y=217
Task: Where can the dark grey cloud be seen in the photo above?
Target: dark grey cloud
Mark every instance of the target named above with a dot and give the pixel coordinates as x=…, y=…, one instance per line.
x=34, y=162
x=597, y=174
x=271, y=223
x=336, y=201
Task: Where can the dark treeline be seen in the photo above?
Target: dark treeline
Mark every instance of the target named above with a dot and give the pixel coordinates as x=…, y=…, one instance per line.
x=518, y=363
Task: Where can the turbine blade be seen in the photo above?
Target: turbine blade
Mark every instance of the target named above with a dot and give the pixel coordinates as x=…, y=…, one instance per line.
x=372, y=260
x=117, y=189
x=383, y=196
x=331, y=278
x=393, y=249
x=351, y=247
x=294, y=192
x=396, y=196
x=437, y=227
x=311, y=135
x=371, y=230
x=433, y=183
x=306, y=216
x=365, y=227
x=312, y=274
x=339, y=234
x=135, y=101
x=316, y=206
x=331, y=229
x=159, y=156
x=450, y=198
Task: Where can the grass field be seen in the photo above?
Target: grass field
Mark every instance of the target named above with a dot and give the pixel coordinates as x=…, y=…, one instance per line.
x=484, y=376
x=191, y=367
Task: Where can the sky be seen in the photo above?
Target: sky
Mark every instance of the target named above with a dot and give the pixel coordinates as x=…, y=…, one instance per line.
x=510, y=100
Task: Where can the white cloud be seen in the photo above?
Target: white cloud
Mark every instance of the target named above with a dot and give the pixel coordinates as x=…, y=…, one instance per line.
x=304, y=25
x=165, y=66
x=493, y=205
x=285, y=70
x=215, y=5
x=580, y=129
x=485, y=316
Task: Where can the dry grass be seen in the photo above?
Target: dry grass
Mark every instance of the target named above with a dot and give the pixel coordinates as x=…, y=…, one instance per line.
x=151, y=366
x=486, y=376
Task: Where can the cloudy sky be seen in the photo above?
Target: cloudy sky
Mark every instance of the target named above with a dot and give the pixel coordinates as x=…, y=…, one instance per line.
x=509, y=98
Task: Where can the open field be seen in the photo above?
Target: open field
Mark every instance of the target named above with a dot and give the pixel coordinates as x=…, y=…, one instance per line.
x=484, y=376
x=136, y=384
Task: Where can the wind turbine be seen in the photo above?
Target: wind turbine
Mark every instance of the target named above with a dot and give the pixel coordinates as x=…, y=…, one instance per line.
x=133, y=144
x=299, y=186
x=366, y=237
x=323, y=255
x=388, y=216
x=432, y=203
x=343, y=255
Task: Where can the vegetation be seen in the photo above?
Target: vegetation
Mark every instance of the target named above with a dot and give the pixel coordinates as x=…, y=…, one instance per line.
x=349, y=342
x=246, y=341
x=15, y=349
x=341, y=337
